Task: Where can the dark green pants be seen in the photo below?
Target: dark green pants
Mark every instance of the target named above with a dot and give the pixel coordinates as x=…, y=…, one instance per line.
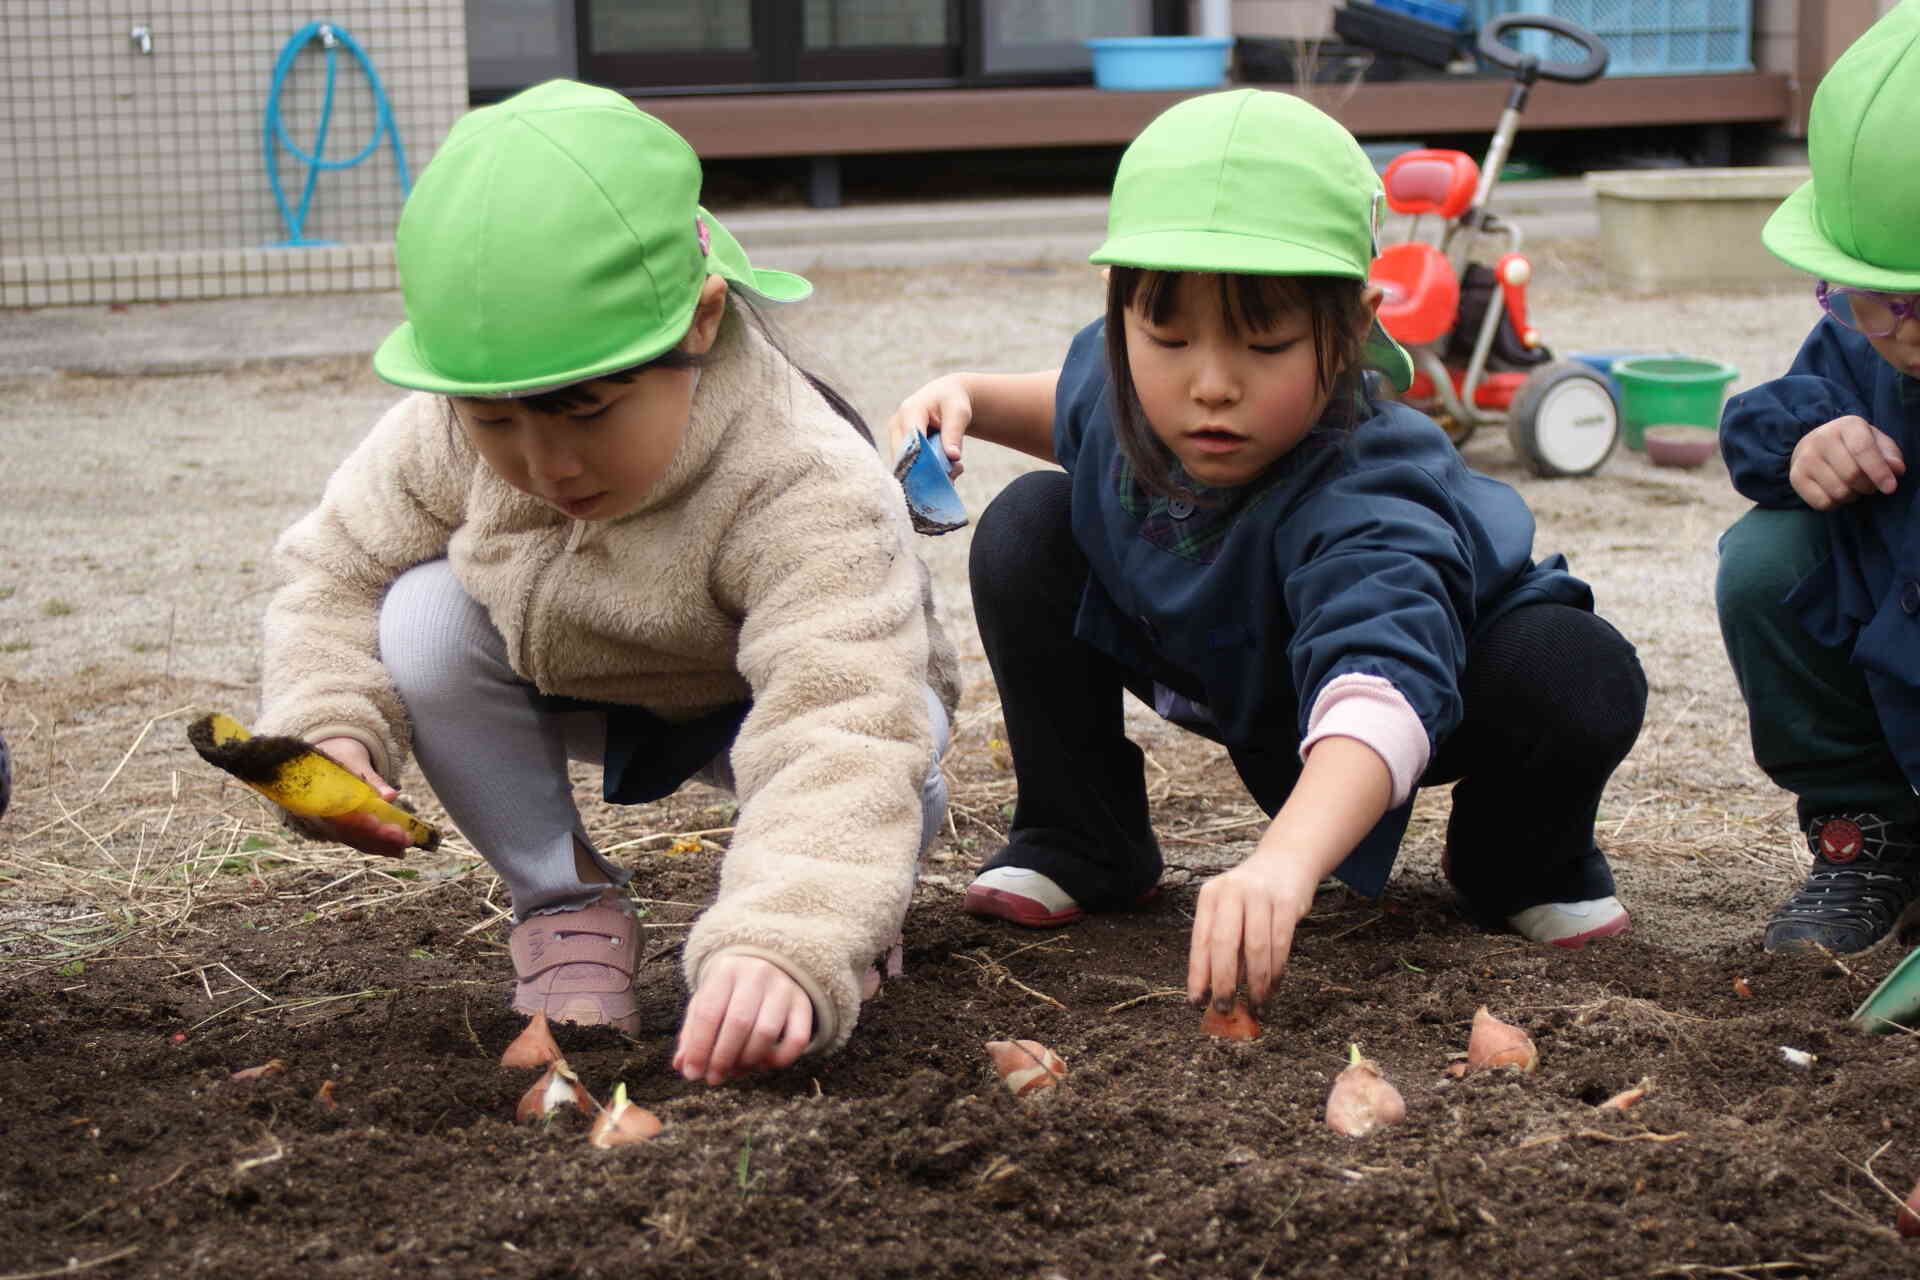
x=1815, y=731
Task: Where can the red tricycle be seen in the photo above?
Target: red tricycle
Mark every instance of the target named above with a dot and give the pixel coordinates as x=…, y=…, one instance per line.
x=1477, y=358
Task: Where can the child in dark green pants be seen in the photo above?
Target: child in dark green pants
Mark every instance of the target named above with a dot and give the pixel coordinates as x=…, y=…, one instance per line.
x=1819, y=586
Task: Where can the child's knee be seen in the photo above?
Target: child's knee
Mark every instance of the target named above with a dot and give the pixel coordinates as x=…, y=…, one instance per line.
x=1024, y=564
x=1763, y=556
x=1033, y=510
x=427, y=621
x=1599, y=727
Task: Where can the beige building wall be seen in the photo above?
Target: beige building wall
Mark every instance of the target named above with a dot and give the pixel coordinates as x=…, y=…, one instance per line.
x=1775, y=38
x=132, y=163
x=1297, y=19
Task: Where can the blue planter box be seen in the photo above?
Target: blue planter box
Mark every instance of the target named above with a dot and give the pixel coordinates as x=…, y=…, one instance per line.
x=1160, y=62
x=1644, y=37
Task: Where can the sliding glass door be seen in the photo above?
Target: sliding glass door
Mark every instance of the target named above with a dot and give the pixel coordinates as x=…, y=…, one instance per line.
x=641, y=44
x=733, y=46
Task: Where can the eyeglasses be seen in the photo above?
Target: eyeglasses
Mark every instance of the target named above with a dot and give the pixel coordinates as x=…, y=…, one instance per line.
x=1867, y=311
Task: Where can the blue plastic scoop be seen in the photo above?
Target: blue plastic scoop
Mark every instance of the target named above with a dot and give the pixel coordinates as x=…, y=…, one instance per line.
x=926, y=476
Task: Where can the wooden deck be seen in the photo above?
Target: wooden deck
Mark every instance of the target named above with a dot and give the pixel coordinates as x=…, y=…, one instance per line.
x=866, y=122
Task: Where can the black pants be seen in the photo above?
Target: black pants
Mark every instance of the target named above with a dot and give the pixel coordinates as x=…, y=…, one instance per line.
x=1553, y=699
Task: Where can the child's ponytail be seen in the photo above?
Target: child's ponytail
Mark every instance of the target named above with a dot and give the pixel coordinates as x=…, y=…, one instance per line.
x=837, y=402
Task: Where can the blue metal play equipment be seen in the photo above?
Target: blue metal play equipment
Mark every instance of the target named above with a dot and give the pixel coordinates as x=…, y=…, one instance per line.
x=274, y=133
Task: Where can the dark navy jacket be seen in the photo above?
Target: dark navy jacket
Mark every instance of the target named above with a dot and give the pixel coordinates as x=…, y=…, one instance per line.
x=1866, y=598
x=1370, y=549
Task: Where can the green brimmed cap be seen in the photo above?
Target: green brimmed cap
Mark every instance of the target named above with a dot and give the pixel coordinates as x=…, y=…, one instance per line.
x=1858, y=221
x=555, y=237
x=1250, y=182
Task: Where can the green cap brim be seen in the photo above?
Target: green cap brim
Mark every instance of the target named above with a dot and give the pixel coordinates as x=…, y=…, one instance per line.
x=1228, y=254
x=398, y=360
x=729, y=261
x=1792, y=234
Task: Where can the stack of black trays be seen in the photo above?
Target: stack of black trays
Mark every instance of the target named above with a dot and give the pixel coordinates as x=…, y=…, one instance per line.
x=1400, y=34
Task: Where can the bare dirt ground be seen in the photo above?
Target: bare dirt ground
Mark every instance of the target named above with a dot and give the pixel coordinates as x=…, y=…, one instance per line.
x=159, y=932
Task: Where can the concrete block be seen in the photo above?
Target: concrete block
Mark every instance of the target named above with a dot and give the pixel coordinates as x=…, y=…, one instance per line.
x=1691, y=228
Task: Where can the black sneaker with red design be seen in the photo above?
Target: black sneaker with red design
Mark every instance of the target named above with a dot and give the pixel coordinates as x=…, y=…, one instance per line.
x=1864, y=885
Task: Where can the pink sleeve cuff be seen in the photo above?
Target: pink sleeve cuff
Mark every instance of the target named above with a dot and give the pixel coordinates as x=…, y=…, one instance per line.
x=1370, y=710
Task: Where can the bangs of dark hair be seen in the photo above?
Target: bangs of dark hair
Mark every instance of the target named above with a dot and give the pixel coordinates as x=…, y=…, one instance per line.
x=1333, y=306
x=1248, y=303
x=578, y=395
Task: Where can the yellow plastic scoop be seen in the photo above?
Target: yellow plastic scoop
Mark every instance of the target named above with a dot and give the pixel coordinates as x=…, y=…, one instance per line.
x=298, y=778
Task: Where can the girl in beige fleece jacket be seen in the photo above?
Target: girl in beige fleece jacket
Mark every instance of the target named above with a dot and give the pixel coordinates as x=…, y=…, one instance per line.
x=614, y=523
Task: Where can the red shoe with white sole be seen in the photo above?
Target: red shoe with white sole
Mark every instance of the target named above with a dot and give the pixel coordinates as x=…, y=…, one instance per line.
x=1027, y=898
x=1571, y=924
x=1021, y=896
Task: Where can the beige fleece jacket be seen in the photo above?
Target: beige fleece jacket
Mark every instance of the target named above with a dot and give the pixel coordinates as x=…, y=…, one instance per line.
x=774, y=560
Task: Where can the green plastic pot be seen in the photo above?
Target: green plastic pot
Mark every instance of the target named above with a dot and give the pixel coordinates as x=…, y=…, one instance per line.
x=1679, y=389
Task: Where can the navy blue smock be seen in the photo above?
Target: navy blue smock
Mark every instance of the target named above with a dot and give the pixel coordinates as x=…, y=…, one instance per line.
x=1866, y=597
x=1371, y=549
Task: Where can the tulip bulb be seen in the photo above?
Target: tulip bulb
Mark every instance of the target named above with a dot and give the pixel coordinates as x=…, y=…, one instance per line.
x=1239, y=1024
x=621, y=1122
x=1908, y=1223
x=533, y=1047
x=271, y=1067
x=1627, y=1097
x=1361, y=1099
x=1025, y=1066
x=554, y=1090
x=1494, y=1043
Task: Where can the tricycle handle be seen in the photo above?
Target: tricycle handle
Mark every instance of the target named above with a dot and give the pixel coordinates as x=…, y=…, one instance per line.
x=1527, y=64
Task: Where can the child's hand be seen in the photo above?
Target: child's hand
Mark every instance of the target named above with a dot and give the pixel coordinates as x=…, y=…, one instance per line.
x=359, y=830
x=748, y=1015
x=1841, y=461
x=943, y=404
x=1248, y=912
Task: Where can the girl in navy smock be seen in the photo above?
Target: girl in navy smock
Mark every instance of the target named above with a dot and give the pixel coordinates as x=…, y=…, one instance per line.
x=1265, y=552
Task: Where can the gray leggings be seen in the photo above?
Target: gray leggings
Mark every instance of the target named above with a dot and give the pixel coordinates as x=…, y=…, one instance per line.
x=498, y=762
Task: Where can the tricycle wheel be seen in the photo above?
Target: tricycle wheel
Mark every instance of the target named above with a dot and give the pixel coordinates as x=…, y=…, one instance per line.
x=1564, y=420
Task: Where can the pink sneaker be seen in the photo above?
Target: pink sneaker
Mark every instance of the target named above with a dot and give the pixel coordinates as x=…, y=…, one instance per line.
x=1021, y=896
x=1027, y=898
x=578, y=966
x=1571, y=924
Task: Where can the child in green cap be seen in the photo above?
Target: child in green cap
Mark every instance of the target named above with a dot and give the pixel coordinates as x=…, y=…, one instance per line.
x=614, y=523
x=1265, y=551
x=1819, y=585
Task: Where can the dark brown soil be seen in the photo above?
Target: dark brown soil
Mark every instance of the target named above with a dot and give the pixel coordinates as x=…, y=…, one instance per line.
x=130, y=1151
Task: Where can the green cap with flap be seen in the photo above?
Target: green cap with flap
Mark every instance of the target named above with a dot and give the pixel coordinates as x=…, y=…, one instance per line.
x=1250, y=182
x=1857, y=222
x=555, y=237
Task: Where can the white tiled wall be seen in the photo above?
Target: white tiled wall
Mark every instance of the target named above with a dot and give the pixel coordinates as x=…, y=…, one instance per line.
x=129, y=175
